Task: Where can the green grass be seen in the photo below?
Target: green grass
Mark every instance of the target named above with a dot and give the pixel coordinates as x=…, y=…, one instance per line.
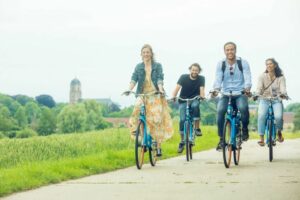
x=33, y=162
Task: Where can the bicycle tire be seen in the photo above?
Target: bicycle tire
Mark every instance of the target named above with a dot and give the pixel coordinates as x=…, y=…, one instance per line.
x=270, y=131
x=187, y=141
x=191, y=151
x=139, y=146
x=152, y=155
x=226, y=146
x=237, y=150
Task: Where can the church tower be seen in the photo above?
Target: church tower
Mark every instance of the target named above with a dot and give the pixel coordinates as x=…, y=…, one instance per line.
x=75, y=91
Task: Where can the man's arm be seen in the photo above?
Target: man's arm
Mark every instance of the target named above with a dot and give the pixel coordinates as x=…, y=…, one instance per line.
x=247, y=75
x=176, y=90
x=218, y=77
x=202, y=92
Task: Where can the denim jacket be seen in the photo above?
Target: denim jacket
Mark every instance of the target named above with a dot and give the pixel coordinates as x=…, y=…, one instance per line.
x=139, y=74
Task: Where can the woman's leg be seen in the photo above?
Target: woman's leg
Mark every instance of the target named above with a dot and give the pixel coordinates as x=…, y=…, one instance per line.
x=262, y=114
x=278, y=115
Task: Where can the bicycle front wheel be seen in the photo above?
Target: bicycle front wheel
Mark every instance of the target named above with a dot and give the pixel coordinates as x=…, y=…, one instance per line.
x=139, y=145
x=152, y=154
x=187, y=140
x=227, y=147
x=270, y=138
x=191, y=151
x=237, y=150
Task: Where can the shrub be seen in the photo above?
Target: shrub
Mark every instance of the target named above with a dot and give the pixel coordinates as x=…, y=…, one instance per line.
x=2, y=135
x=26, y=133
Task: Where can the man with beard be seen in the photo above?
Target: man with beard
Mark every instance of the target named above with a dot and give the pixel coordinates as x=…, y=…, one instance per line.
x=190, y=85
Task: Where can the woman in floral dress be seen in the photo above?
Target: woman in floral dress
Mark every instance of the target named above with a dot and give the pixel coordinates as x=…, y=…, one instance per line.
x=148, y=76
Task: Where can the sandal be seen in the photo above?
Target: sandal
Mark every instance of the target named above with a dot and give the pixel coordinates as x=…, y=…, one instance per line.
x=261, y=143
x=280, y=137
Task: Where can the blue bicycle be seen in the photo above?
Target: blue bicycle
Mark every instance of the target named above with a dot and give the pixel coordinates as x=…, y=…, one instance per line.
x=270, y=125
x=143, y=140
x=232, y=137
x=189, y=135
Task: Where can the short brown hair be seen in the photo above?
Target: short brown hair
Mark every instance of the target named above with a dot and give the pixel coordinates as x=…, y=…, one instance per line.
x=232, y=43
x=196, y=65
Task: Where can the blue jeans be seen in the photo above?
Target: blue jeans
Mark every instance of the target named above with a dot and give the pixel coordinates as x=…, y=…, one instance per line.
x=195, y=113
x=241, y=101
x=263, y=111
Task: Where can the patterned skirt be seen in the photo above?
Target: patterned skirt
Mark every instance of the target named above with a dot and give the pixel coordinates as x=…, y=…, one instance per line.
x=159, y=122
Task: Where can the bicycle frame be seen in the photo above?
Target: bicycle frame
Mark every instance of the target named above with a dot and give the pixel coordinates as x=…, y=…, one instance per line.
x=270, y=118
x=143, y=139
x=234, y=116
x=147, y=140
x=188, y=118
x=188, y=128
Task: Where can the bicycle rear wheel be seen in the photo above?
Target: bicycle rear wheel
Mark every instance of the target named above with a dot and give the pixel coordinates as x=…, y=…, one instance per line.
x=152, y=154
x=237, y=150
x=187, y=141
x=227, y=147
x=139, y=145
x=191, y=151
x=270, y=138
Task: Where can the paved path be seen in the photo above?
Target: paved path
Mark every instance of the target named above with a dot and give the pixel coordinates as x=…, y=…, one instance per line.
x=203, y=178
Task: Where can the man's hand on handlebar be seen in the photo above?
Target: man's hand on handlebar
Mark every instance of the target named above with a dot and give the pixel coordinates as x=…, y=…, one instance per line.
x=213, y=93
x=247, y=92
x=126, y=93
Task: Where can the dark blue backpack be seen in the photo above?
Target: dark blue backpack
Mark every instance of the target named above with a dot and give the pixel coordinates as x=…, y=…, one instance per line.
x=240, y=66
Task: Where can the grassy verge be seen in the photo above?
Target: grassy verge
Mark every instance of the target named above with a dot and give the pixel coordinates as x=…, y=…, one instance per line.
x=37, y=161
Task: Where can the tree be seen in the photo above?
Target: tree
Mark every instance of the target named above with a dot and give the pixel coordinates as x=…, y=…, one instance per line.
x=209, y=118
x=6, y=122
x=113, y=107
x=22, y=99
x=125, y=112
x=45, y=100
x=292, y=107
x=297, y=120
x=20, y=117
x=72, y=118
x=47, y=122
x=33, y=112
x=94, y=116
x=10, y=103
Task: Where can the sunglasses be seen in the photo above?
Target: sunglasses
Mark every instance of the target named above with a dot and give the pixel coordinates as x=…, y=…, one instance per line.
x=231, y=70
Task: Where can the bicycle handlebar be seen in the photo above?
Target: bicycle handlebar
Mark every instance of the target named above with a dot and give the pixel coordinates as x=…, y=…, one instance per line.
x=142, y=95
x=215, y=93
x=186, y=100
x=255, y=97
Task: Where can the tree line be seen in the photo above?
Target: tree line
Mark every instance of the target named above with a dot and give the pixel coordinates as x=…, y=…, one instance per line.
x=22, y=116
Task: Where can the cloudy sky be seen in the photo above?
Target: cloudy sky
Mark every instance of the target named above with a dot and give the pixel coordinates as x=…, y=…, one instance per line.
x=44, y=44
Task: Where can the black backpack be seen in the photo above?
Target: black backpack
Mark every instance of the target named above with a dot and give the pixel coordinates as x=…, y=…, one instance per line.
x=240, y=66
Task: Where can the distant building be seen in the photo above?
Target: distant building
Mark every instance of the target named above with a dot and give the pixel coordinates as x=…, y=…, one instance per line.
x=106, y=101
x=118, y=122
x=75, y=91
x=288, y=119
